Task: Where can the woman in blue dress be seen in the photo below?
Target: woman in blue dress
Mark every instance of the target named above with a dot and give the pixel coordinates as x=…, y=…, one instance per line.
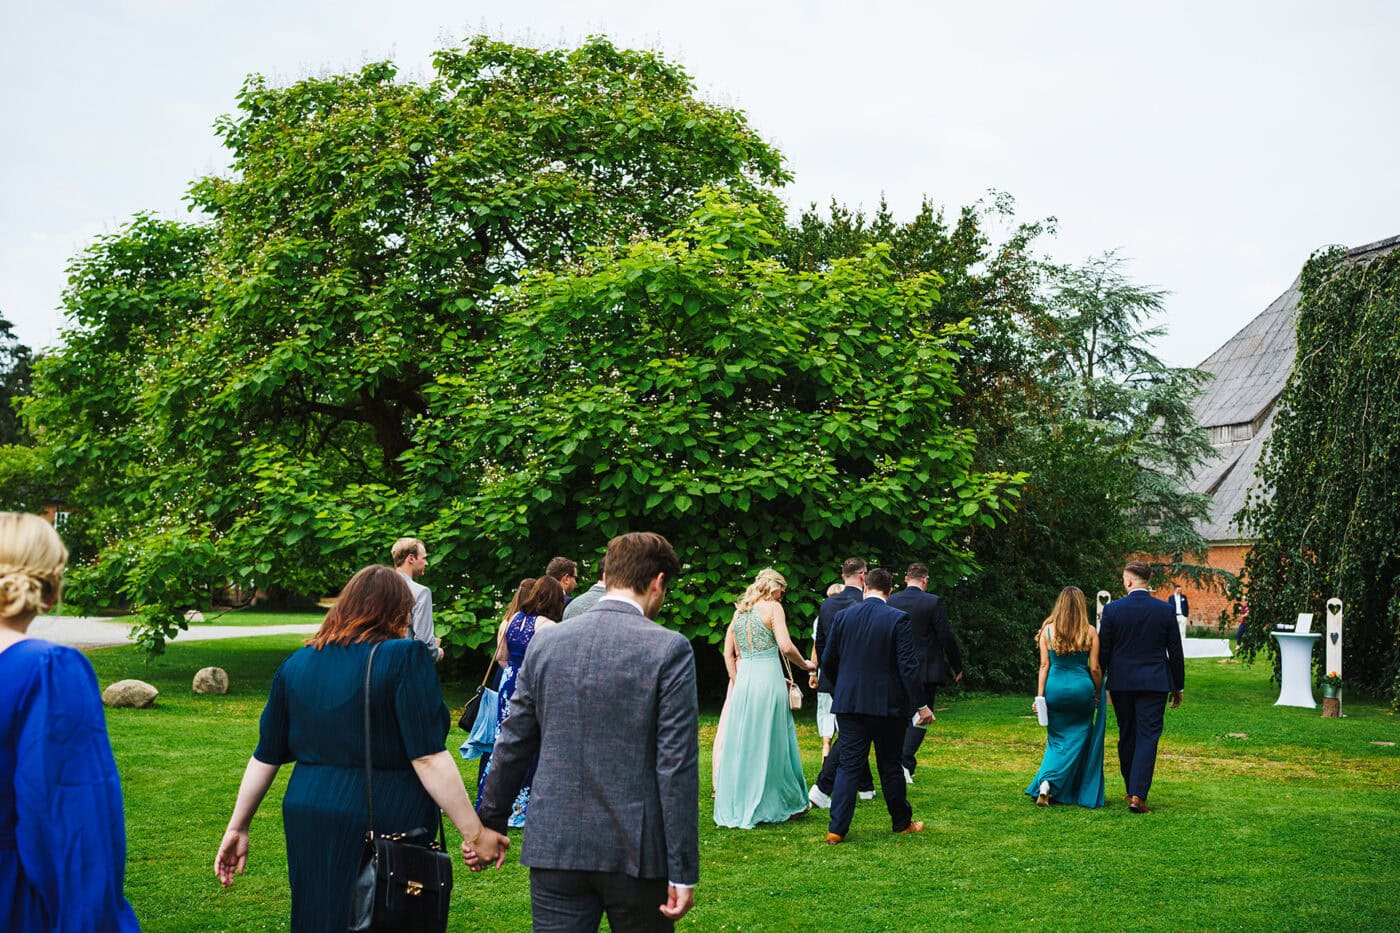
x=315, y=717
x=1071, y=682
x=759, y=777
x=541, y=608
x=62, y=836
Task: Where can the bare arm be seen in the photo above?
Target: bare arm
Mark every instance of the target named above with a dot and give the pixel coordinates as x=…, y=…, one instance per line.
x=439, y=776
x=233, y=851
x=1044, y=665
x=778, y=622
x=1095, y=671
x=502, y=656
x=731, y=652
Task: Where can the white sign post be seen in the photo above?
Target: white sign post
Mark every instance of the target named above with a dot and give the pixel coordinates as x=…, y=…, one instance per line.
x=1333, y=643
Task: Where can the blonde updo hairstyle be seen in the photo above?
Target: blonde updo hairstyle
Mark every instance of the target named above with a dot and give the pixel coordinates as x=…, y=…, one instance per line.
x=767, y=585
x=32, y=557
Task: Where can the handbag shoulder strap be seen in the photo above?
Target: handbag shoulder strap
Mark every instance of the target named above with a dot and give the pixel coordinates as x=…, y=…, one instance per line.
x=369, y=749
x=369, y=759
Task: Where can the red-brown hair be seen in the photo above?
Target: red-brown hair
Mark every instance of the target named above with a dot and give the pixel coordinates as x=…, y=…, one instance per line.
x=373, y=606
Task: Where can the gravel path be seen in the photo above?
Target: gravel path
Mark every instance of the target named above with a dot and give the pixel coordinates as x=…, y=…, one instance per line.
x=98, y=633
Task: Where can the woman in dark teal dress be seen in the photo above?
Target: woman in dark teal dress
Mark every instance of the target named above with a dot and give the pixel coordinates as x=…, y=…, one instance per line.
x=1071, y=682
x=62, y=839
x=315, y=717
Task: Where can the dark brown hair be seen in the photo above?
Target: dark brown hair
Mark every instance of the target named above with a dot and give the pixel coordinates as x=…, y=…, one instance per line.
x=634, y=560
x=880, y=580
x=561, y=567
x=917, y=572
x=852, y=566
x=1138, y=569
x=373, y=606
x=546, y=598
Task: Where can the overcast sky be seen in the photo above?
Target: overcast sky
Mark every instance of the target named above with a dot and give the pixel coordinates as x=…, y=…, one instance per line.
x=1215, y=144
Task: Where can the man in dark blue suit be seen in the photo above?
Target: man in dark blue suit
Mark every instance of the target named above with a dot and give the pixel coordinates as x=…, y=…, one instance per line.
x=940, y=660
x=876, y=686
x=853, y=575
x=1140, y=648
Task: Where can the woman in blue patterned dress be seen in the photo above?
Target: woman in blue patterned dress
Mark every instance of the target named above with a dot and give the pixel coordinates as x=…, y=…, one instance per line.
x=62, y=839
x=542, y=608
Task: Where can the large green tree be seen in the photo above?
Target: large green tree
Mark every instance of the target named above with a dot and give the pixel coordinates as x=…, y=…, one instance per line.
x=1330, y=525
x=513, y=310
x=1061, y=381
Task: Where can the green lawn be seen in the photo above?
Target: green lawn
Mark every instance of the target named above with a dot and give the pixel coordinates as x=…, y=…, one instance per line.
x=1294, y=826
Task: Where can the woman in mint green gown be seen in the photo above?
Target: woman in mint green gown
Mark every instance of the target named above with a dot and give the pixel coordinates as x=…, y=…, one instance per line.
x=1071, y=682
x=759, y=775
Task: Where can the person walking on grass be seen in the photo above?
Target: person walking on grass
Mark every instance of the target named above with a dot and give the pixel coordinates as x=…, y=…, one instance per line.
x=607, y=705
x=1140, y=649
x=869, y=656
x=411, y=560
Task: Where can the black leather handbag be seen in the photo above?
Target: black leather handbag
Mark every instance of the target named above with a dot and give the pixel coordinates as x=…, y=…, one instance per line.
x=474, y=704
x=405, y=879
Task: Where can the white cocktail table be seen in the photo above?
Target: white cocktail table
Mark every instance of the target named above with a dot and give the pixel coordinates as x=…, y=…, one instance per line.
x=1295, y=654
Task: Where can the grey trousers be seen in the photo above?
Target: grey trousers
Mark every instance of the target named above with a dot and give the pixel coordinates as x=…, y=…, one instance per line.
x=574, y=902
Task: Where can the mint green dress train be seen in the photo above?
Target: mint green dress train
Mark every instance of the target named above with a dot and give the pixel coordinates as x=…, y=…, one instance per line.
x=1073, y=762
x=760, y=769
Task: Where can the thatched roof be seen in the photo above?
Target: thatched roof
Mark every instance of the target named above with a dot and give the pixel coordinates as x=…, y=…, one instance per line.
x=1237, y=407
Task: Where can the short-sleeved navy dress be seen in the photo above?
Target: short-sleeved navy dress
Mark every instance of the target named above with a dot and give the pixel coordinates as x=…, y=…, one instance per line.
x=62, y=837
x=315, y=717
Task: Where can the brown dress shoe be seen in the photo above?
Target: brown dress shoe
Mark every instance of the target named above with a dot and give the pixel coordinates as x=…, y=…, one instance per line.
x=832, y=839
x=1138, y=805
x=915, y=827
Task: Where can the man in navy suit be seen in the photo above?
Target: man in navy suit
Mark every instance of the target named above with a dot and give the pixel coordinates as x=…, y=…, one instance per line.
x=1140, y=648
x=876, y=686
x=935, y=647
x=853, y=575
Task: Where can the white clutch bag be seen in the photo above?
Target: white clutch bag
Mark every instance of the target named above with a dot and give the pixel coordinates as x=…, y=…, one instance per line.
x=1042, y=712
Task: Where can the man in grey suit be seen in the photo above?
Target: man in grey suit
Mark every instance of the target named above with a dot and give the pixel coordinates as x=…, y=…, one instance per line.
x=608, y=704
x=589, y=598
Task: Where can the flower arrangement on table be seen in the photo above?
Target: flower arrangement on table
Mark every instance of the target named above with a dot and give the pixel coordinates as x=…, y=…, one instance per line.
x=1332, y=681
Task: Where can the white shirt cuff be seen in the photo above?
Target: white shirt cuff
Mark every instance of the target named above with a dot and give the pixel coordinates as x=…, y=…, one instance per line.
x=676, y=884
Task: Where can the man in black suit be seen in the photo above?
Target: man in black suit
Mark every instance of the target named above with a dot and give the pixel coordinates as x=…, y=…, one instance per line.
x=1140, y=648
x=869, y=658
x=934, y=645
x=1178, y=603
x=853, y=575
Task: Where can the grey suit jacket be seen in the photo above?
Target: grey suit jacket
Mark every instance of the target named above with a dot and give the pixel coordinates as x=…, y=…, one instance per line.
x=608, y=703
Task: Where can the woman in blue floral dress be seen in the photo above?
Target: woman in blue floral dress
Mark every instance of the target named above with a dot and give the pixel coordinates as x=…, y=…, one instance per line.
x=538, y=611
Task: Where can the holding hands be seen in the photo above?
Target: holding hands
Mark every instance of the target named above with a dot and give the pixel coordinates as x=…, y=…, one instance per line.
x=488, y=848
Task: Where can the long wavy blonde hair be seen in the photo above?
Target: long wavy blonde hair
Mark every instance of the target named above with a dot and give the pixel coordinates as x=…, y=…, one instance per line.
x=767, y=585
x=32, y=557
x=1070, y=622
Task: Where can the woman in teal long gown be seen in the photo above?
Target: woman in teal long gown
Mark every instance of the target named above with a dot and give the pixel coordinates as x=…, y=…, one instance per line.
x=1071, y=682
x=759, y=778
x=315, y=717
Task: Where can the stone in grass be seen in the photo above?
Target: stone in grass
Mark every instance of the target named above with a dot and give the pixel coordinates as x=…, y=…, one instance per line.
x=133, y=694
x=1237, y=735
x=211, y=680
x=1384, y=744
x=194, y=615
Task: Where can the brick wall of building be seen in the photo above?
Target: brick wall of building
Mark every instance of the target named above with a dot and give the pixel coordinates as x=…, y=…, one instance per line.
x=1206, y=605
